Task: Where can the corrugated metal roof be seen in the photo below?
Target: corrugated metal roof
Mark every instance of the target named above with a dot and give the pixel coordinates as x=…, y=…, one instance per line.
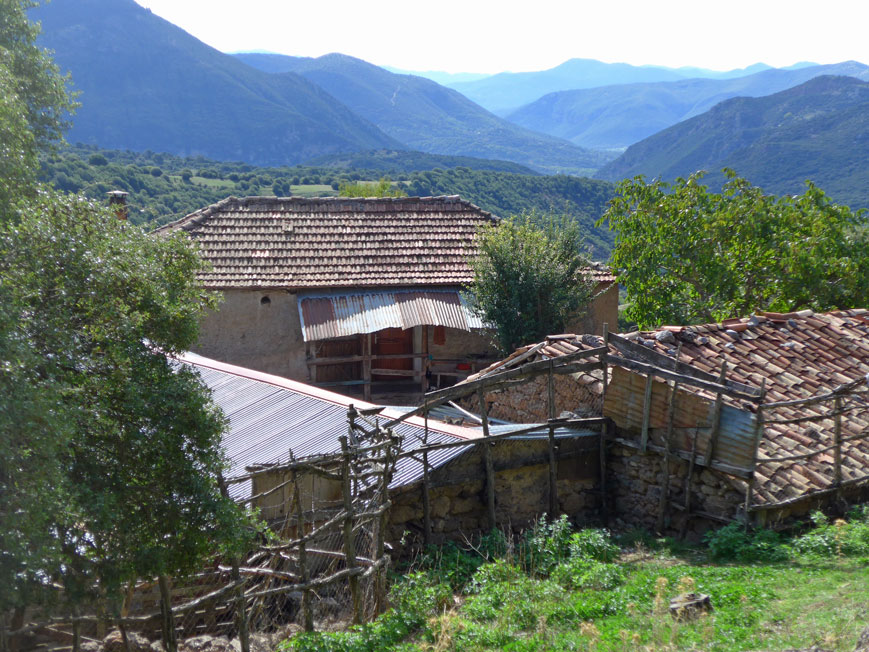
x=271, y=416
x=329, y=315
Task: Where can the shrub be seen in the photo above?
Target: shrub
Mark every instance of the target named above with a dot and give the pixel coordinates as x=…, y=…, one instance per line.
x=578, y=573
x=733, y=543
x=593, y=544
x=546, y=545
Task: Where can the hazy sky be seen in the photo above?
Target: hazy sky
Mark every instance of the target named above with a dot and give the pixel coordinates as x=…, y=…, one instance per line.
x=497, y=35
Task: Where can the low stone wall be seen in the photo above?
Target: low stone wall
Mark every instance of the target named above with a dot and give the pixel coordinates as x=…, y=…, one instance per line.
x=635, y=481
x=458, y=497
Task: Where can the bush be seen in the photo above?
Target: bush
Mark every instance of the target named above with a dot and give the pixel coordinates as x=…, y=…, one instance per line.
x=593, y=544
x=578, y=573
x=838, y=539
x=733, y=543
x=546, y=545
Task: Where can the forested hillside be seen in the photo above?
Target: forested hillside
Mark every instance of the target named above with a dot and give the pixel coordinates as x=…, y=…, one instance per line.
x=618, y=116
x=429, y=117
x=146, y=84
x=817, y=131
x=164, y=187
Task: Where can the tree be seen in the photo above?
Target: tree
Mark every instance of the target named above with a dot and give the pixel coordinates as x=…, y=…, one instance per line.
x=109, y=452
x=528, y=278
x=382, y=188
x=33, y=101
x=685, y=255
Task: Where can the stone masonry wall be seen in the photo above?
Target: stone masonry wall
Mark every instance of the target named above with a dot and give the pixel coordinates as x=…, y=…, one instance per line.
x=458, y=490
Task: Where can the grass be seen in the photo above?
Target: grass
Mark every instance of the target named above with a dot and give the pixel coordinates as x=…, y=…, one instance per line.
x=555, y=589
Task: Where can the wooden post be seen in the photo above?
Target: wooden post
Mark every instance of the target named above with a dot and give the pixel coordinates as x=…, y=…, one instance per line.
x=758, y=434
x=837, y=443
x=76, y=633
x=605, y=356
x=349, y=543
x=716, y=416
x=553, y=463
x=425, y=360
x=366, y=366
x=379, y=546
x=487, y=459
x=665, y=484
x=647, y=410
x=240, y=612
x=170, y=641
x=689, y=477
x=4, y=633
x=426, y=497
x=604, y=507
x=307, y=611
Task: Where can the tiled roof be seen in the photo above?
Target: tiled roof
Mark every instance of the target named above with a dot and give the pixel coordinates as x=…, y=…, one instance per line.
x=296, y=243
x=798, y=355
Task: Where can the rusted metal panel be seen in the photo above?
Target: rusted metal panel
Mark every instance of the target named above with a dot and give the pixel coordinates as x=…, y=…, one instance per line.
x=334, y=315
x=693, y=413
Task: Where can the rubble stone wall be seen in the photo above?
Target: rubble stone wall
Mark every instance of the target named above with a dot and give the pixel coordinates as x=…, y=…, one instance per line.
x=458, y=496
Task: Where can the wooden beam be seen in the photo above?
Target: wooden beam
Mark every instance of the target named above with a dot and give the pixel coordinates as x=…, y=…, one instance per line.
x=647, y=411
x=487, y=459
x=665, y=484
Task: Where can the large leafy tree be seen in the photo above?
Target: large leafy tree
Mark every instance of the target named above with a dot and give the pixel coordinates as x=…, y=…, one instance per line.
x=109, y=452
x=686, y=255
x=528, y=278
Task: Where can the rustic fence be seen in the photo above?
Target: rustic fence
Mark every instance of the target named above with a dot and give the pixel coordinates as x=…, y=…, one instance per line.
x=323, y=565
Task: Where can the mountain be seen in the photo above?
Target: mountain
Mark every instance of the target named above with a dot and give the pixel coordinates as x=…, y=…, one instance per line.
x=507, y=91
x=617, y=116
x=395, y=162
x=818, y=130
x=146, y=84
x=442, y=78
x=427, y=116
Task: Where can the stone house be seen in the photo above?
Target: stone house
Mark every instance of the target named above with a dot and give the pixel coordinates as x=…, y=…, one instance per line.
x=763, y=418
x=362, y=294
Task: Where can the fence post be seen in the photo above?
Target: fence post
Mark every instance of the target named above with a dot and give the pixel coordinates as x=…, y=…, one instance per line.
x=758, y=433
x=605, y=358
x=170, y=641
x=647, y=411
x=487, y=459
x=665, y=488
x=380, y=552
x=349, y=543
x=426, y=497
x=76, y=633
x=307, y=612
x=837, y=442
x=553, y=463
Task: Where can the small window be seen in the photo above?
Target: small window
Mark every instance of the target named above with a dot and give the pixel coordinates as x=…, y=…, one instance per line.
x=265, y=301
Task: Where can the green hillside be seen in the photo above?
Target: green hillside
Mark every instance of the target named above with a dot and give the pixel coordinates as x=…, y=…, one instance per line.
x=163, y=187
x=394, y=162
x=429, y=117
x=146, y=84
x=818, y=130
x=618, y=116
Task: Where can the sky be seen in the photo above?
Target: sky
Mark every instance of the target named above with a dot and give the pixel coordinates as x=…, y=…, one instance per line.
x=489, y=36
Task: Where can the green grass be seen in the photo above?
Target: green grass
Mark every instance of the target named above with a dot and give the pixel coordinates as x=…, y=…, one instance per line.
x=557, y=590
x=313, y=190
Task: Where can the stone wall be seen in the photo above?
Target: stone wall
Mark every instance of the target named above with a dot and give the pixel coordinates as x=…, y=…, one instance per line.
x=458, y=490
x=634, y=482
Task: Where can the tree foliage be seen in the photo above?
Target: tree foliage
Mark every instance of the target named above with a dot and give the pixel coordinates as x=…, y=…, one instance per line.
x=685, y=255
x=528, y=278
x=383, y=188
x=33, y=100
x=109, y=452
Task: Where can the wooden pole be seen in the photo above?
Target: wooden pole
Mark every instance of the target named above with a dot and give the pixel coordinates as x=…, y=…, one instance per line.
x=553, y=463
x=76, y=633
x=170, y=641
x=426, y=496
x=487, y=460
x=837, y=442
x=605, y=357
x=689, y=477
x=758, y=434
x=716, y=416
x=349, y=543
x=604, y=506
x=307, y=611
x=647, y=410
x=380, y=604
x=366, y=366
x=665, y=484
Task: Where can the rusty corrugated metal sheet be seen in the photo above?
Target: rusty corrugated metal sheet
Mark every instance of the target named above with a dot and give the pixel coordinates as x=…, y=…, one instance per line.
x=326, y=316
x=624, y=405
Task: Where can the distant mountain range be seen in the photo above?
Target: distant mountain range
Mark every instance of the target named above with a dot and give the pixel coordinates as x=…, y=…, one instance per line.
x=818, y=130
x=618, y=116
x=427, y=116
x=505, y=92
x=146, y=84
